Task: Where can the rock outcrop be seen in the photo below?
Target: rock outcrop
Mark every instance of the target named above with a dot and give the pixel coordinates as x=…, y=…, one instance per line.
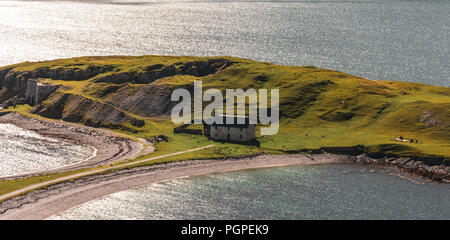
x=147, y=100
x=76, y=108
x=16, y=81
x=67, y=73
x=431, y=167
x=118, y=97
x=158, y=71
x=435, y=172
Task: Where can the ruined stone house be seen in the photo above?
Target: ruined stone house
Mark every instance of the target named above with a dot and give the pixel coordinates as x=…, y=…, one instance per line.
x=37, y=92
x=240, y=130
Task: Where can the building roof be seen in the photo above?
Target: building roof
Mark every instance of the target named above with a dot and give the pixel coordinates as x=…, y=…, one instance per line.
x=226, y=119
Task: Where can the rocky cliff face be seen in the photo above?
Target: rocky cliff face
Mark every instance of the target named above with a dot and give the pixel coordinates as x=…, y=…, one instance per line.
x=111, y=95
x=11, y=84
x=68, y=107
x=76, y=108
x=147, y=100
x=16, y=81
x=158, y=71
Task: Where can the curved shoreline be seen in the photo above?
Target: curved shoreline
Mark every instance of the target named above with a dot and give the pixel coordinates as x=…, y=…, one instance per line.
x=65, y=194
x=43, y=203
x=108, y=146
x=24, y=174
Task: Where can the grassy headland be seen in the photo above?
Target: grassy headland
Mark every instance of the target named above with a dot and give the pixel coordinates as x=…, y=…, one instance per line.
x=319, y=108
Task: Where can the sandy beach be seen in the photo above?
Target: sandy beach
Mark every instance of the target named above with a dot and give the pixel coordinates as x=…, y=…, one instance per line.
x=45, y=202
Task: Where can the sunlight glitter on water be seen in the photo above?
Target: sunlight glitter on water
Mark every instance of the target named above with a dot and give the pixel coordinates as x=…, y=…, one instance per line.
x=377, y=39
x=24, y=151
x=348, y=191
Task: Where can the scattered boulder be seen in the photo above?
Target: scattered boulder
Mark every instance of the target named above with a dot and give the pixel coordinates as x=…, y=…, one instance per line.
x=262, y=78
x=157, y=139
x=137, y=122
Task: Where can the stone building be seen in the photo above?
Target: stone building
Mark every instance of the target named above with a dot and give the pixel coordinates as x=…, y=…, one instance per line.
x=37, y=92
x=236, y=132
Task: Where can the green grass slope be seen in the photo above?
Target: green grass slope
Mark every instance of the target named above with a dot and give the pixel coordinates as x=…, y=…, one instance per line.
x=318, y=107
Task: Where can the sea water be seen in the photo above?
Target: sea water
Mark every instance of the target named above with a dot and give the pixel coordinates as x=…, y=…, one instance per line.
x=378, y=39
x=349, y=191
x=399, y=40
x=23, y=151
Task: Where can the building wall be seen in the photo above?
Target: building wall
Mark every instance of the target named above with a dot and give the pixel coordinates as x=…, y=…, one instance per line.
x=44, y=91
x=251, y=132
x=31, y=91
x=36, y=92
x=233, y=134
x=207, y=130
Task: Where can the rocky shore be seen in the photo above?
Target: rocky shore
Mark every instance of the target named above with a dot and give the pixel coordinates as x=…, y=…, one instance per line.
x=439, y=173
x=432, y=167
